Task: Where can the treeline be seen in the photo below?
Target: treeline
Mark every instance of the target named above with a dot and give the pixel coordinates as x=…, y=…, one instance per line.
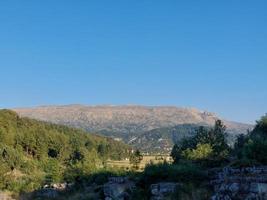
x=34, y=153
x=251, y=149
x=209, y=147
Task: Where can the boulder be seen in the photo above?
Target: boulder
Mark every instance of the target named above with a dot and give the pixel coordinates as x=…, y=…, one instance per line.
x=117, y=188
x=162, y=189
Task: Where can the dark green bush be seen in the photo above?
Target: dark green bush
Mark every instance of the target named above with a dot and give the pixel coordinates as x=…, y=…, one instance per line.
x=185, y=172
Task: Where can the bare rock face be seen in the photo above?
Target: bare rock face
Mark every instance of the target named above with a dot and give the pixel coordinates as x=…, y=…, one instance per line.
x=245, y=183
x=149, y=128
x=124, y=119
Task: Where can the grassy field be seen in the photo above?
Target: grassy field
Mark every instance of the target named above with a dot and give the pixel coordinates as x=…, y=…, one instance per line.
x=125, y=164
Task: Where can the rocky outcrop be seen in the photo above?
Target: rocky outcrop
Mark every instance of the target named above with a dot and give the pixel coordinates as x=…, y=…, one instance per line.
x=58, y=186
x=159, y=191
x=240, y=183
x=52, y=190
x=118, y=188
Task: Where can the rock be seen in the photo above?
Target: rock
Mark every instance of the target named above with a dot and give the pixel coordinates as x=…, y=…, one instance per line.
x=254, y=188
x=248, y=183
x=117, y=187
x=159, y=190
x=262, y=188
x=234, y=187
x=52, y=190
x=118, y=179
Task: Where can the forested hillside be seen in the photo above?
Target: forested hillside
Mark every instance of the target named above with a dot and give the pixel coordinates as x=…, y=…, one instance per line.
x=34, y=153
x=161, y=140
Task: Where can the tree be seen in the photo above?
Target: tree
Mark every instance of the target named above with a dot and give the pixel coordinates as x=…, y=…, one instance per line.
x=207, y=143
x=216, y=137
x=176, y=153
x=202, y=151
x=260, y=129
x=253, y=147
x=135, y=159
x=47, y=153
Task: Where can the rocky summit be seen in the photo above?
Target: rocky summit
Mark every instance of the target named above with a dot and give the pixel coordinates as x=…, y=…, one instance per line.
x=127, y=119
x=154, y=127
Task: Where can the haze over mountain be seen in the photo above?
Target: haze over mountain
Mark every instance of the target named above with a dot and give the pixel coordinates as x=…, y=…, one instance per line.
x=130, y=122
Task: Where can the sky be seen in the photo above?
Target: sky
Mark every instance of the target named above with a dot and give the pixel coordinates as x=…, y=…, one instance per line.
x=210, y=55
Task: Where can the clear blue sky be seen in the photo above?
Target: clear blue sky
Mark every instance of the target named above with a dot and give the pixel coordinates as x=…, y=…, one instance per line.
x=211, y=55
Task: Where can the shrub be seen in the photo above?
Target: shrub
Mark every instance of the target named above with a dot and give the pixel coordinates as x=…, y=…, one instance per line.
x=184, y=172
x=202, y=151
x=208, y=146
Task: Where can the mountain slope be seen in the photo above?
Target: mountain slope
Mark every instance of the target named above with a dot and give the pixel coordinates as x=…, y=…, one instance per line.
x=126, y=122
x=161, y=140
x=33, y=153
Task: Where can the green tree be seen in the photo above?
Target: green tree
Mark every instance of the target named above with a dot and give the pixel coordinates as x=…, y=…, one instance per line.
x=176, y=153
x=135, y=159
x=253, y=147
x=202, y=151
x=207, y=143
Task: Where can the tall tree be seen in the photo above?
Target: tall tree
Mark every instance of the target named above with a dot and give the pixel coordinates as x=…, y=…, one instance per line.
x=135, y=159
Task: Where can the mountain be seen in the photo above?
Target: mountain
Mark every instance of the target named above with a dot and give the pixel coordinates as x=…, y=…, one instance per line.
x=127, y=122
x=161, y=140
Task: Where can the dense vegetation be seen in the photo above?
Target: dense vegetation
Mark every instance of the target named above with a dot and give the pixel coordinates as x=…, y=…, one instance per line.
x=208, y=146
x=194, y=156
x=34, y=153
x=251, y=149
x=161, y=140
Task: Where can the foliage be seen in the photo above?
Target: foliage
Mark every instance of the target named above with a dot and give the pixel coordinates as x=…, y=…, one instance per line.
x=207, y=144
x=33, y=153
x=135, y=159
x=183, y=172
x=251, y=149
x=202, y=151
x=176, y=153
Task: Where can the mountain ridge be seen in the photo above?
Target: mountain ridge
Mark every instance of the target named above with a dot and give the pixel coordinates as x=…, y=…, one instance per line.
x=125, y=122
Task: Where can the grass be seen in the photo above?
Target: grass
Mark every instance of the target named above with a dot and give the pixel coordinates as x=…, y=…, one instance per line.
x=125, y=164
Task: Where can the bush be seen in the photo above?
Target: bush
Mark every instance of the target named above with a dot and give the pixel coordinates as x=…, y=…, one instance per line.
x=185, y=172
x=202, y=151
x=208, y=147
x=256, y=150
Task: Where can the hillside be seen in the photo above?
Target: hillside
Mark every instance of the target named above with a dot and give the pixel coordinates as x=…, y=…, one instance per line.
x=127, y=122
x=34, y=153
x=161, y=140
